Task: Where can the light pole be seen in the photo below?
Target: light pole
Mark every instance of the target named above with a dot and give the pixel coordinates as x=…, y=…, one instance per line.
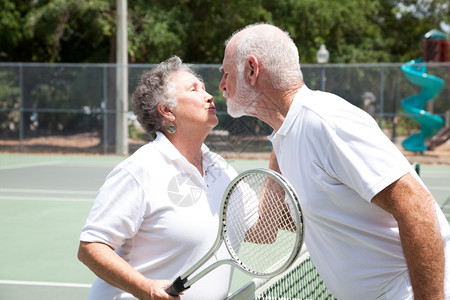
x=122, y=79
x=322, y=58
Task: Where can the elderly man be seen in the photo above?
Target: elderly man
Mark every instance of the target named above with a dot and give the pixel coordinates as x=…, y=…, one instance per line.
x=372, y=228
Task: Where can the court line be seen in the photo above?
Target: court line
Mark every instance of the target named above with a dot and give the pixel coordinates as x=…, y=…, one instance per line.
x=30, y=165
x=44, y=191
x=57, y=199
x=445, y=203
x=45, y=283
x=436, y=173
x=439, y=188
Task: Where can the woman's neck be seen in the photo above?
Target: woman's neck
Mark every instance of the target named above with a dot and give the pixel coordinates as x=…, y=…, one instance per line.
x=190, y=147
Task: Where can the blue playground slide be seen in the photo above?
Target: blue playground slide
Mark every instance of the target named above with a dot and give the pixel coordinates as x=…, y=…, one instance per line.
x=414, y=106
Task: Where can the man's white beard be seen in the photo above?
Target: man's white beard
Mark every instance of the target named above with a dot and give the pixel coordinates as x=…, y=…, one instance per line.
x=234, y=108
x=244, y=101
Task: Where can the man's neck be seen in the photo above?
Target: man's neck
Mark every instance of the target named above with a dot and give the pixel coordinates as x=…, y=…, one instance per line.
x=274, y=105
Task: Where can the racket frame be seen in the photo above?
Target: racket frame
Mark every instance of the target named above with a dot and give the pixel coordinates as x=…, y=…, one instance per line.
x=182, y=282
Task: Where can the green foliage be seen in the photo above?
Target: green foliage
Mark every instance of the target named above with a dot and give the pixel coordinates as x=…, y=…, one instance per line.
x=346, y=27
x=154, y=34
x=13, y=33
x=9, y=100
x=56, y=30
x=355, y=31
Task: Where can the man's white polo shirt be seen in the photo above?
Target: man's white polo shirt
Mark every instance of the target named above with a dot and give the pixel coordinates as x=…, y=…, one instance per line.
x=337, y=159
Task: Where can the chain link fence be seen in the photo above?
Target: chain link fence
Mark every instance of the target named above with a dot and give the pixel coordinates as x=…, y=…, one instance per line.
x=71, y=108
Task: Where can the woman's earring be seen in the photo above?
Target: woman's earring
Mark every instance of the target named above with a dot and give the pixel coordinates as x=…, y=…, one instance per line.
x=171, y=128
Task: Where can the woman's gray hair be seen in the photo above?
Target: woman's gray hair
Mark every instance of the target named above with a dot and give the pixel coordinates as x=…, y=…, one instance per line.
x=274, y=48
x=154, y=87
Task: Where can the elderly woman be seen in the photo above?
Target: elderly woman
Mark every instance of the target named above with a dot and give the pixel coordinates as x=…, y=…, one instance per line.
x=157, y=212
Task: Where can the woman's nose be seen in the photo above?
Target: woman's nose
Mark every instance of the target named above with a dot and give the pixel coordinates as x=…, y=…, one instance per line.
x=209, y=97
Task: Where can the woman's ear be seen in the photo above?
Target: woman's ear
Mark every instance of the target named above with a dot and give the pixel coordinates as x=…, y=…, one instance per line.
x=165, y=111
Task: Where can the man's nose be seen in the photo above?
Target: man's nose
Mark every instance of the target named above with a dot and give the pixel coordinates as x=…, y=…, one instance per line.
x=222, y=83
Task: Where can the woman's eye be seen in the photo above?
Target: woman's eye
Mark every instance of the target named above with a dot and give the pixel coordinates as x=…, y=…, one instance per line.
x=196, y=89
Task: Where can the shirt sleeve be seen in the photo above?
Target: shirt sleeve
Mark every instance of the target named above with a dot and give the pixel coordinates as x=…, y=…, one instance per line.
x=362, y=157
x=117, y=212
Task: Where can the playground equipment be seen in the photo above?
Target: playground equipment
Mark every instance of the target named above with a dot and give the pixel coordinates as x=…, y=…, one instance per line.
x=414, y=106
x=434, y=48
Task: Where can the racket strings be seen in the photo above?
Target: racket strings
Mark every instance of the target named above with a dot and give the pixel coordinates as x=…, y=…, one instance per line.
x=259, y=226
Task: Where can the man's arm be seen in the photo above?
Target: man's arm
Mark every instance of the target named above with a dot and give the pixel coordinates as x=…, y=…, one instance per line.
x=109, y=266
x=273, y=163
x=414, y=209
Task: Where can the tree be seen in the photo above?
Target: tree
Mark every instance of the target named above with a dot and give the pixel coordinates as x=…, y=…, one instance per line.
x=347, y=27
x=405, y=23
x=56, y=30
x=194, y=30
x=13, y=32
x=355, y=31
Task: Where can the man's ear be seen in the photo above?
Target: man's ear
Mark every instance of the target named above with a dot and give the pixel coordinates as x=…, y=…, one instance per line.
x=252, y=69
x=165, y=112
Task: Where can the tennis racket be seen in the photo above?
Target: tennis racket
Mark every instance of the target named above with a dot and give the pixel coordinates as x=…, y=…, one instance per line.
x=261, y=226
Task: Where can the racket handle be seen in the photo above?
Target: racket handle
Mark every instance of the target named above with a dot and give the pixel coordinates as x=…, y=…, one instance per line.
x=176, y=287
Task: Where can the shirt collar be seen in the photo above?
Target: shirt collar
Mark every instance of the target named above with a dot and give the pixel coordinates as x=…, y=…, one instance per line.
x=292, y=114
x=166, y=147
x=172, y=153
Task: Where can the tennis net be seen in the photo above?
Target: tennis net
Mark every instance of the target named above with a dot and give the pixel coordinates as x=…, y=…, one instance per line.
x=300, y=281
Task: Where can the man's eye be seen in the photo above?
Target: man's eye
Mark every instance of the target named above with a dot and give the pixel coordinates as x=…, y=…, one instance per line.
x=225, y=74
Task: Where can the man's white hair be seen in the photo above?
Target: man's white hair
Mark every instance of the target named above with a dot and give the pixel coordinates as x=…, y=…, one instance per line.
x=274, y=48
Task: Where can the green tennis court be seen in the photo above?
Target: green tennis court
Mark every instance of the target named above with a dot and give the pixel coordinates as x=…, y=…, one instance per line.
x=44, y=201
